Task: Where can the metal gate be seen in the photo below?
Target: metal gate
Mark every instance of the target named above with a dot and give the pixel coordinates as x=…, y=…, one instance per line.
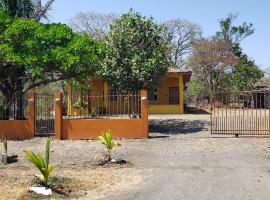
x=45, y=115
x=241, y=113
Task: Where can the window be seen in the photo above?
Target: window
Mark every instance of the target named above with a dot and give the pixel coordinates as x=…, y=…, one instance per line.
x=113, y=95
x=153, y=95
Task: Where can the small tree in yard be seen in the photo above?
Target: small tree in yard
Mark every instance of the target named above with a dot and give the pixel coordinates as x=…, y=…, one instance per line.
x=42, y=163
x=34, y=54
x=137, y=53
x=106, y=139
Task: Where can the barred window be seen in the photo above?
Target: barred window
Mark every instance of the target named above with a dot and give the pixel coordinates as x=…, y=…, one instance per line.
x=153, y=95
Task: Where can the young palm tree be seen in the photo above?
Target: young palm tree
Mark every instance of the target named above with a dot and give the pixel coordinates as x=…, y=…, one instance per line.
x=30, y=9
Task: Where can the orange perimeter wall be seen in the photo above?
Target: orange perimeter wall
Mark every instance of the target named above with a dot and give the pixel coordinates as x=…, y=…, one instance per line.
x=16, y=129
x=91, y=128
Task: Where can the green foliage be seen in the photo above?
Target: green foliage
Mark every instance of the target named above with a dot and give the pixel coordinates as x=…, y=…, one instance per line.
x=18, y=8
x=80, y=105
x=194, y=89
x=137, y=53
x=234, y=33
x=245, y=75
x=43, y=53
x=42, y=164
x=106, y=139
x=5, y=144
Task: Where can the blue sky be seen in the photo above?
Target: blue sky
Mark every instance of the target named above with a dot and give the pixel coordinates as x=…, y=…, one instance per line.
x=204, y=12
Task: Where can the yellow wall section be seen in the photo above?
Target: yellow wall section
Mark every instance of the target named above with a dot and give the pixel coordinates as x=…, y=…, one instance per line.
x=161, y=106
x=164, y=109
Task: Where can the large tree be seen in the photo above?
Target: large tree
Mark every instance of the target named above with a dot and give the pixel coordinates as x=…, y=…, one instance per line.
x=33, y=9
x=34, y=54
x=137, y=53
x=210, y=60
x=245, y=74
x=184, y=33
x=234, y=34
x=97, y=25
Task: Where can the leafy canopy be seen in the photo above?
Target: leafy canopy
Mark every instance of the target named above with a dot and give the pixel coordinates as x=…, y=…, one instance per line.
x=246, y=74
x=33, y=54
x=137, y=53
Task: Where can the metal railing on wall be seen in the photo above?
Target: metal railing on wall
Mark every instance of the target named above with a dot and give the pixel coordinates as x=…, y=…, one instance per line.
x=100, y=105
x=13, y=107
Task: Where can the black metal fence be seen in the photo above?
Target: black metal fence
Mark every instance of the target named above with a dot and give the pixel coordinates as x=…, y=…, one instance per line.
x=241, y=113
x=13, y=107
x=100, y=105
x=45, y=114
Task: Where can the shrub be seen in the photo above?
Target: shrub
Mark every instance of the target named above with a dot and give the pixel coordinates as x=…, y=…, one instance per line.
x=106, y=139
x=42, y=164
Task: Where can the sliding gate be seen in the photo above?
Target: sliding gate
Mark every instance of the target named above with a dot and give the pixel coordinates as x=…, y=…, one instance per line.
x=241, y=113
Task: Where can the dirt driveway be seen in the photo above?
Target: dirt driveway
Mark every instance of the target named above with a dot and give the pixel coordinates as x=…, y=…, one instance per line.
x=179, y=161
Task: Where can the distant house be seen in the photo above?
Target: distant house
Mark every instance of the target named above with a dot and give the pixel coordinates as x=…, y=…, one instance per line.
x=168, y=98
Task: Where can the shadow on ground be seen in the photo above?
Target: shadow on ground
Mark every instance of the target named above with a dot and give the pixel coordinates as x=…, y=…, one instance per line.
x=177, y=126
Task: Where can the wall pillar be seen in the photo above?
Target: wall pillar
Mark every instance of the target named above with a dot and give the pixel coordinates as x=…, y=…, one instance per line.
x=58, y=115
x=144, y=113
x=32, y=112
x=181, y=94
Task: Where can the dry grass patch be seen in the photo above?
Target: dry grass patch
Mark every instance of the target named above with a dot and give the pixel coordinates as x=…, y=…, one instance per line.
x=79, y=181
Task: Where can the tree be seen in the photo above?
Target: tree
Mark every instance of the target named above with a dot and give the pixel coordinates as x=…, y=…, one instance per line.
x=96, y=25
x=26, y=8
x=184, y=33
x=137, y=53
x=234, y=34
x=245, y=74
x=210, y=60
x=33, y=54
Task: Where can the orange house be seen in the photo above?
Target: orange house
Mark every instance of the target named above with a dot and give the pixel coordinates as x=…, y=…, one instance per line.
x=168, y=98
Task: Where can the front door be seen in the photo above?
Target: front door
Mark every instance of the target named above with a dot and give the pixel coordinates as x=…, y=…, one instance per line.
x=174, y=95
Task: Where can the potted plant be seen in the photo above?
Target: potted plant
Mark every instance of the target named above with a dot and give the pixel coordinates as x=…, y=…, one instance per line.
x=7, y=159
x=79, y=107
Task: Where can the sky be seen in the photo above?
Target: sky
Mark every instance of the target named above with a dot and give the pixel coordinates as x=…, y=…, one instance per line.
x=204, y=12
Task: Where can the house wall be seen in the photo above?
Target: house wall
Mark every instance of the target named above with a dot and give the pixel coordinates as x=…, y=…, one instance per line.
x=161, y=106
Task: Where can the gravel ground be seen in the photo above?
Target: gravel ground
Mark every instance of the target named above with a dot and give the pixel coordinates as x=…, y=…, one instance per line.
x=181, y=160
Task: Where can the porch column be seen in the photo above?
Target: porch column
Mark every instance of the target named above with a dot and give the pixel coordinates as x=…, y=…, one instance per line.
x=181, y=93
x=69, y=98
x=106, y=92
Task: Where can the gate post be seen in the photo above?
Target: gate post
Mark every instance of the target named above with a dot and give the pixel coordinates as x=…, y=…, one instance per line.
x=32, y=112
x=58, y=115
x=144, y=113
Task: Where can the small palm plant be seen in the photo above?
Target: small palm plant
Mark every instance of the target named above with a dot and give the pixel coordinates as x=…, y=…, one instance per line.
x=42, y=164
x=106, y=139
x=5, y=143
